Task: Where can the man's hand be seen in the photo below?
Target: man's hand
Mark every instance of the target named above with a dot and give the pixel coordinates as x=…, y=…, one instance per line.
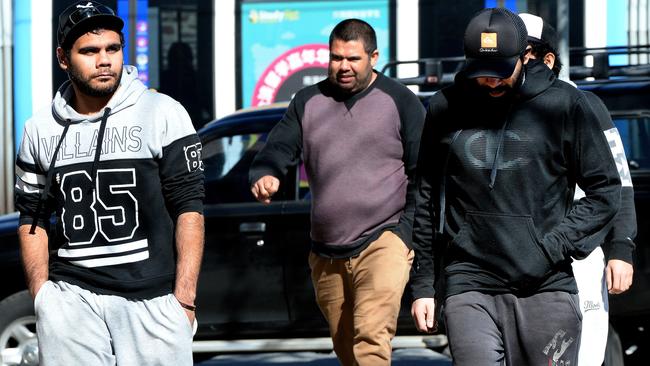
x=265, y=187
x=422, y=311
x=619, y=276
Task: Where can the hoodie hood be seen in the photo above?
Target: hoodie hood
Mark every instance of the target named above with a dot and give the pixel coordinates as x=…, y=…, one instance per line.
x=539, y=77
x=126, y=95
x=535, y=78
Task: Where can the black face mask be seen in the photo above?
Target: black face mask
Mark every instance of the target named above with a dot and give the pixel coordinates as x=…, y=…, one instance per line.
x=533, y=64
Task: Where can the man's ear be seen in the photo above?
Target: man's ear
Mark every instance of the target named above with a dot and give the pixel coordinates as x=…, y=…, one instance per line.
x=62, y=59
x=549, y=60
x=528, y=54
x=374, y=56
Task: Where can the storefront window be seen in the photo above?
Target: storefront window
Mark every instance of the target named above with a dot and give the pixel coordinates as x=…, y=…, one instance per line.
x=284, y=44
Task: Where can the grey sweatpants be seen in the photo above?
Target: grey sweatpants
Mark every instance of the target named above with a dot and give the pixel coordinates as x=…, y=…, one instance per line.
x=494, y=330
x=78, y=327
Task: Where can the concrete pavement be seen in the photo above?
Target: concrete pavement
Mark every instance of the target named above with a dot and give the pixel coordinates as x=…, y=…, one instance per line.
x=401, y=357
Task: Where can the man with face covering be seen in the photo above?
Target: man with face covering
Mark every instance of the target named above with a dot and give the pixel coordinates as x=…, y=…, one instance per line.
x=495, y=225
x=595, y=279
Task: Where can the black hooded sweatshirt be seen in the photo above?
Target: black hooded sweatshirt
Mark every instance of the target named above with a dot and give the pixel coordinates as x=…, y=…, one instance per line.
x=496, y=178
x=619, y=243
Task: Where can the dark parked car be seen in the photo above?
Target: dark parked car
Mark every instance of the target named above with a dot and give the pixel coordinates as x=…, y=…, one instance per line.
x=255, y=279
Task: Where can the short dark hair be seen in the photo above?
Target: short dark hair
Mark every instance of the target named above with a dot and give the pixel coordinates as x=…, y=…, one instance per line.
x=540, y=49
x=67, y=46
x=355, y=30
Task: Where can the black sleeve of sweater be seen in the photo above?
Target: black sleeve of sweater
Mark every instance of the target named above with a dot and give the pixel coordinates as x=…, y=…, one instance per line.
x=589, y=156
x=619, y=242
x=181, y=175
x=283, y=145
x=27, y=195
x=426, y=196
x=412, y=113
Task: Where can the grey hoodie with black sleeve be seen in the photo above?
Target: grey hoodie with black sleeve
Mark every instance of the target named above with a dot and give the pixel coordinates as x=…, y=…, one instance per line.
x=117, y=181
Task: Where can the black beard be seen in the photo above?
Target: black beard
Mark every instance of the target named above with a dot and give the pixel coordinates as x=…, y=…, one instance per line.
x=486, y=90
x=84, y=86
x=482, y=93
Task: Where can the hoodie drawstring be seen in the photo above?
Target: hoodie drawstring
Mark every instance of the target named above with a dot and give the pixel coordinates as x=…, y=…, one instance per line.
x=443, y=183
x=48, y=182
x=497, y=155
x=100, y=142
x=50, y=170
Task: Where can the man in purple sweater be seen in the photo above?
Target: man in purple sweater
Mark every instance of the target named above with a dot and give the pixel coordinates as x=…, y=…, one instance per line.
x=358, y=133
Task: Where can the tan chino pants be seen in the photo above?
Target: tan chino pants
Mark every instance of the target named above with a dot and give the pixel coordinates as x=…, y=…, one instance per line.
x=360, y=298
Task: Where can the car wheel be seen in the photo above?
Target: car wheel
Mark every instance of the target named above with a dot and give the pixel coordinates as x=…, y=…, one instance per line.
x=18, y=343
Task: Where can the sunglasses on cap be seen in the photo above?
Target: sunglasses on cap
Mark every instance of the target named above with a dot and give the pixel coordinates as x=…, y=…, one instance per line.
x=87, y=11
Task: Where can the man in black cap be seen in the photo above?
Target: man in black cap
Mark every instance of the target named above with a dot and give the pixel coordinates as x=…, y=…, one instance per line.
x=494, y=221
x=120, y=165
x=594, y=279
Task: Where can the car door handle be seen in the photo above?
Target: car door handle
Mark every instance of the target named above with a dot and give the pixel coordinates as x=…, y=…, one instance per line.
x=252, y=227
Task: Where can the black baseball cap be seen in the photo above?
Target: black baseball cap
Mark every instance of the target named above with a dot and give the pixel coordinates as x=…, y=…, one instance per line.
x=540, y=31
x=84, y=16
x=494, y=40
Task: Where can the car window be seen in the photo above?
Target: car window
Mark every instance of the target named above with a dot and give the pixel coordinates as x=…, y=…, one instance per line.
x=635, y=133
x=226, y=162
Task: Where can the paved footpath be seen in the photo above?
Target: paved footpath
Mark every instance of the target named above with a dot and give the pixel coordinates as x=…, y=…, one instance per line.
x=401, y=357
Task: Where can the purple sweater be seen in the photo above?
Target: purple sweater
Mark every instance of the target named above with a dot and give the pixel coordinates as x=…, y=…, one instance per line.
x=360, y=154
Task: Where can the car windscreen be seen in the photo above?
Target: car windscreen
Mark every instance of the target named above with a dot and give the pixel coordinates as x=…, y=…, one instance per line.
x=226, y=162
x=634, y=128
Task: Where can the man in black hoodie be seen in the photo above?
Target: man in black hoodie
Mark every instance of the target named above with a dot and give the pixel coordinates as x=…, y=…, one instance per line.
x=594, y=279
x=495, y=222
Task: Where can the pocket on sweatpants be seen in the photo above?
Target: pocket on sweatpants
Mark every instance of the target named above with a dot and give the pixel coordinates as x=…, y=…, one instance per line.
x=505, y=245
x=39, y=295
x=181, y=312
x=574, y=300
